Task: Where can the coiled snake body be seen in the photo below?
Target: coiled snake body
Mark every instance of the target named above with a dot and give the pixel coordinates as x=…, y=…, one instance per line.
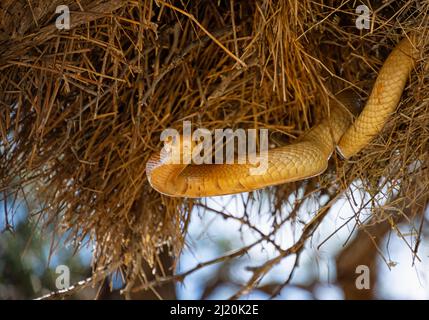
x=306, y=158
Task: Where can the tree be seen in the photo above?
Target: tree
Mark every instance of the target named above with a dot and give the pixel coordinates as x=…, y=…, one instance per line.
x=83, y=109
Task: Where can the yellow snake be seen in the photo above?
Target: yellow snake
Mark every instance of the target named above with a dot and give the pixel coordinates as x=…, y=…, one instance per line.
x=308, y=157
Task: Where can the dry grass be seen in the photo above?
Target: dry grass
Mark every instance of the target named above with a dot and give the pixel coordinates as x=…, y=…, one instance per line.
x=82, y=110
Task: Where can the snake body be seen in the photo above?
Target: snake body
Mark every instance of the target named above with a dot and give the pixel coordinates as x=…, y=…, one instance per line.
x=309, y=156
x=384, y=98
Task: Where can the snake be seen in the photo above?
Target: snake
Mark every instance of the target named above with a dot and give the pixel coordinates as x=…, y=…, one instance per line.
x=309, y=155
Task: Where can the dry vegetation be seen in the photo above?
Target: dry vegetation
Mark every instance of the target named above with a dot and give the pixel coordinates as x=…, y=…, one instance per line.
x=82, y=110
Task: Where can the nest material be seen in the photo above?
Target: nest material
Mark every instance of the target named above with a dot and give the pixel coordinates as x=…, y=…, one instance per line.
x=82, y=110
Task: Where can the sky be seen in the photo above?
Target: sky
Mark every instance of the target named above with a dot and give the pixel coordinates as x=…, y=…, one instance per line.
x=211, y=236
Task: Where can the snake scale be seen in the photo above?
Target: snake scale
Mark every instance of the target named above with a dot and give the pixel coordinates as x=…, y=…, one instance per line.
x=309, y=155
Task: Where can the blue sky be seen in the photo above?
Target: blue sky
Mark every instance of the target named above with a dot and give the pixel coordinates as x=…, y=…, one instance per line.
x=211, y=236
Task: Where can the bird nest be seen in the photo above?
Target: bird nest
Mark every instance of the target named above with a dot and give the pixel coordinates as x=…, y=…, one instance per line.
x=82, y=109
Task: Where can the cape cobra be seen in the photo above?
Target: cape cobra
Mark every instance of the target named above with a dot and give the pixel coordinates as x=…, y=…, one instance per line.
x=308, y=157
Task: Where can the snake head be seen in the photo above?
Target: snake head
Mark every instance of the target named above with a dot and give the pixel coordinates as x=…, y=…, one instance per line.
x=177, y=150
